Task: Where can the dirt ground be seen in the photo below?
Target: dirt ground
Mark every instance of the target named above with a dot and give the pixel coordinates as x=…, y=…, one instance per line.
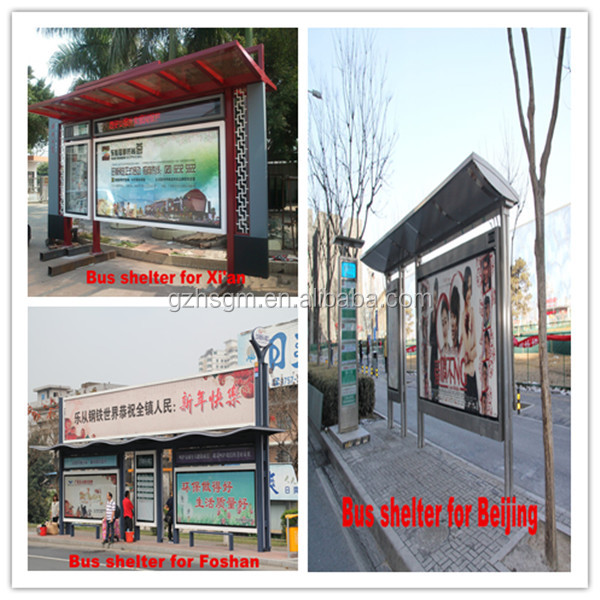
x=528, y=554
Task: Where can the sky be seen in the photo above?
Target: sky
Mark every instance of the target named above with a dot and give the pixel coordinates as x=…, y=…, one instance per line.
x=131, y=346
x=453, y=94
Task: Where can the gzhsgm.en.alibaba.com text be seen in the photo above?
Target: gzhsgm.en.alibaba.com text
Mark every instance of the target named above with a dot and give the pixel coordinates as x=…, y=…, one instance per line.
x=507, y=514
x=141, y=561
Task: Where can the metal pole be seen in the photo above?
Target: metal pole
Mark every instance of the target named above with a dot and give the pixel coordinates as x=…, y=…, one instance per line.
x=390, y=402
x=505, y=338
x=420, y=419
x=402, y=352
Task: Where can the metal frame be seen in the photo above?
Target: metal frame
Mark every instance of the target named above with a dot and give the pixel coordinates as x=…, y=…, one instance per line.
x=87, y=142
x=66, y=473
x=348, y=415
x=499, y=429
x=178, y=129
x=144, y=470
x=247, y=468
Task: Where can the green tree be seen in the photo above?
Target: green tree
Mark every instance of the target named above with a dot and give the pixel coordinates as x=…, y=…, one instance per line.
x=39, y=464
x=37, y=125
x=520, y=284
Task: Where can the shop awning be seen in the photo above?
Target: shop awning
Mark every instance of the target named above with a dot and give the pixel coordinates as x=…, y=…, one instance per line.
x=473, y=193
x=183, y=440
x=156, y=84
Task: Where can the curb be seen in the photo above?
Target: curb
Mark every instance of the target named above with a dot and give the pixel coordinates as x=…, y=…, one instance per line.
x=397, y=555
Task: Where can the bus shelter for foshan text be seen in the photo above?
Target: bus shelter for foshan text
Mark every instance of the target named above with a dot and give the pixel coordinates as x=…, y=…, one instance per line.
x=463, y=305
x=180, y=145
x=216, y=428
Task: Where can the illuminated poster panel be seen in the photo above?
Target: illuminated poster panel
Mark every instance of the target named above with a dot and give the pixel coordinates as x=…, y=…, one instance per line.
x=224, y=400
x=457, y=336
x=223, y=499
x=171, y=178
x=85, y=494
x=76, y=185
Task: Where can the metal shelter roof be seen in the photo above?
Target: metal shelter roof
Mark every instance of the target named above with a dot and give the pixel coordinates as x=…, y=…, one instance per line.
x=244, y=434
x=473, y=193
x=158, y=84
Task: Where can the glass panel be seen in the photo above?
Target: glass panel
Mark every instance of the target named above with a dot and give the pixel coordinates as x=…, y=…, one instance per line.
x=76, y=179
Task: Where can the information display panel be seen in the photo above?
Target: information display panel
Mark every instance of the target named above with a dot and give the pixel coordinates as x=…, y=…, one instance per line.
x=457, y=336
x=174, y=178
x=76, y=182
x=223, y=500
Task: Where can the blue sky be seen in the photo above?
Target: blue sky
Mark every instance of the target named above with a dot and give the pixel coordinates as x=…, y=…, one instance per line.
x=453, y=94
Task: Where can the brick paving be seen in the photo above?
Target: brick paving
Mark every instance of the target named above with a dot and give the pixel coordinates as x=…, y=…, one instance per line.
x=390, y=466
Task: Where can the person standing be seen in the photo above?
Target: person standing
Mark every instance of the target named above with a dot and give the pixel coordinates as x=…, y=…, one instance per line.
x=128, y=512
x=110, y=519
x=55, y=509
x=169, y=516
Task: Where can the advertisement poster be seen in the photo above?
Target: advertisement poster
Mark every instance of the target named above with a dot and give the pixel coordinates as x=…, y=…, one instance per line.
x=216, y=498
x=282, y=355
x=76, y=179
x=172, y=177
x=216, y=401
x=457, y=337
x=85, y=495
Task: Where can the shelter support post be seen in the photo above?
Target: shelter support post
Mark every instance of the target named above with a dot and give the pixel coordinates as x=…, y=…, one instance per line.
x=506, y=373
x=390, y=334
x=402, y=352
x=159, y=495
x=420, y=414
x=96, y=249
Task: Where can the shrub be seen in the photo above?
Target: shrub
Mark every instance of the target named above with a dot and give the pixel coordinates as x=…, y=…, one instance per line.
x=325, y=379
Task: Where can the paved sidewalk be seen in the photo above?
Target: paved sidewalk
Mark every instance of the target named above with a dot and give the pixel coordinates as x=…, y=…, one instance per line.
x=391, y=466
x=85, y=540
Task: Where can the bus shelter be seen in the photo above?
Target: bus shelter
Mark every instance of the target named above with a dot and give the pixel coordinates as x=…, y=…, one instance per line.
x=215, y=425
x=178, y=144
x=463, y=305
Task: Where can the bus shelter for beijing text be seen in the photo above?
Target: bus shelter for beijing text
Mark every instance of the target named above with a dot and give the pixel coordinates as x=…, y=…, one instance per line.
x=463, y=305
x=180, y=145
x=215, y=425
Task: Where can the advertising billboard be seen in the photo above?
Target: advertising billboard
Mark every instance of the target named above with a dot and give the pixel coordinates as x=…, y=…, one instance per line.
x=216, y=499
x=457, y=334
x=282, y=356
x=216, y=401
x=173, y=178
x=85, y=494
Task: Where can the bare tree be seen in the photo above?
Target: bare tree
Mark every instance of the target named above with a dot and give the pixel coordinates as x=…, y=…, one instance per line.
x=538, y=186
x=350, y=145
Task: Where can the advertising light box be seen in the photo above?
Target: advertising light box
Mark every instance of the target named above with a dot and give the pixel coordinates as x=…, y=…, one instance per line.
x=216, y=401
x=222, y=500
x=171, y=178
x=76, y=181
x=85, y=494
x=457, y=333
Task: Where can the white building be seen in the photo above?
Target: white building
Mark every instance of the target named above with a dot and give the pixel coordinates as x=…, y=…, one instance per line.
x=218, y=360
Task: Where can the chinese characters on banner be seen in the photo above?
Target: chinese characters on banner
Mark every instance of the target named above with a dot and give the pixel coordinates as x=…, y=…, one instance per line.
x=457, y=337
x=217, y=401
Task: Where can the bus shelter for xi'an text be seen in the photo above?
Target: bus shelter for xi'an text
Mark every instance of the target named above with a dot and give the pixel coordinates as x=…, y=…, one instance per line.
x=216, y=427
x=463, y=305
x=180, y=145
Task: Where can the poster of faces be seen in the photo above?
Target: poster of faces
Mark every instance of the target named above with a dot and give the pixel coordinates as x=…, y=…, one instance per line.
x=457, y=329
